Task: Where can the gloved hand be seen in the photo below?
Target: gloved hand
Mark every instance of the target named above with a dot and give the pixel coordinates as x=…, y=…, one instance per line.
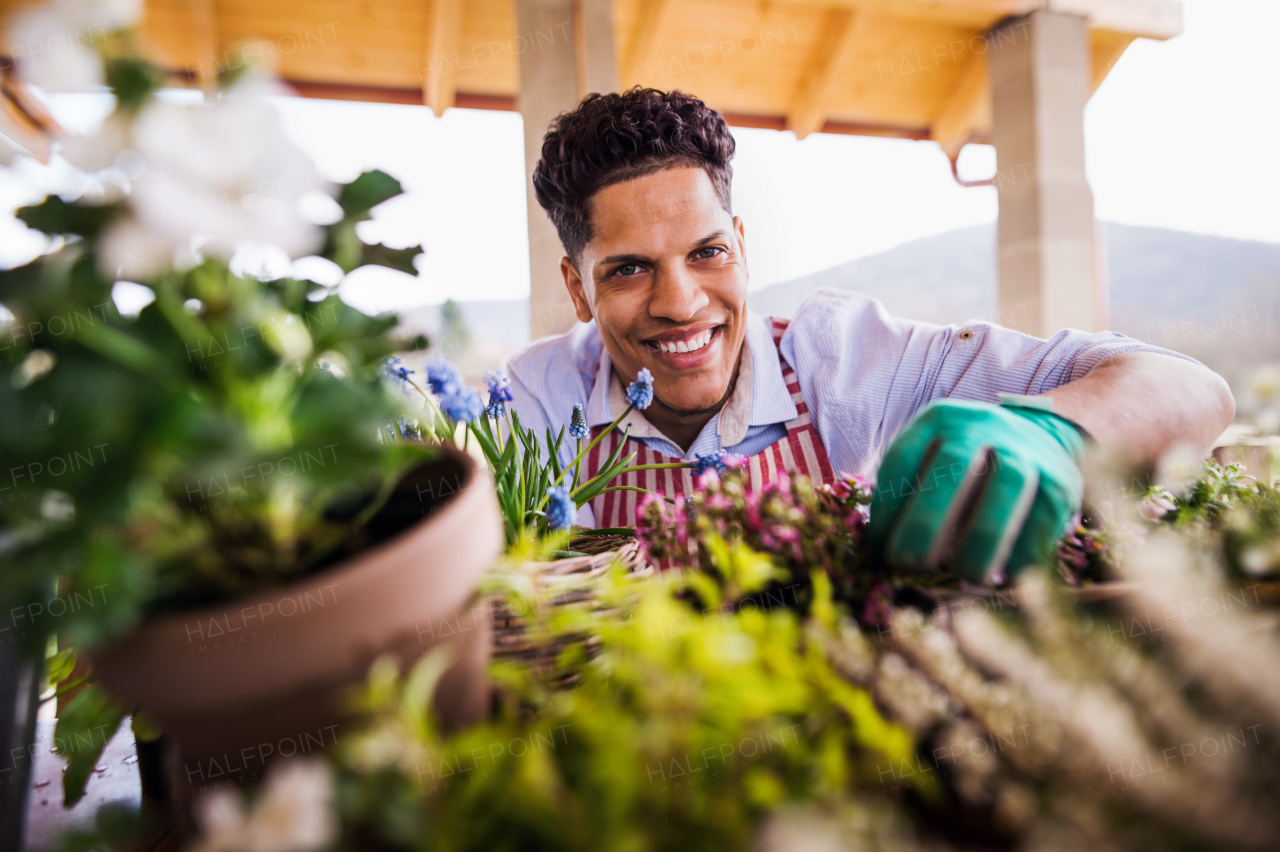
x=985, y=489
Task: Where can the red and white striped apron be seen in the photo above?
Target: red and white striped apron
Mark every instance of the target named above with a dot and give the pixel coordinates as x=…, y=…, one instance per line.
x=799, y=452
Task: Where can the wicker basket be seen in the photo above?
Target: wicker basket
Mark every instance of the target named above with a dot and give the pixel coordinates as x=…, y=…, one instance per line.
x=564, y=583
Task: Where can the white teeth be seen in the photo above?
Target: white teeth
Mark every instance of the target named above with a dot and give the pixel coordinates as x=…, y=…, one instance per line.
x=692, y=344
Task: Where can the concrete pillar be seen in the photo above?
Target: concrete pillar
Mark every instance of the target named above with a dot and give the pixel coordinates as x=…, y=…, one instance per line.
x=1040, y=73
x=570, y=54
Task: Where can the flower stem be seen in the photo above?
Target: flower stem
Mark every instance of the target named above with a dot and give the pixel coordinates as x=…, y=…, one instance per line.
x=634, y=488
x=578, y=458
x=665, y=466
x=436, y=413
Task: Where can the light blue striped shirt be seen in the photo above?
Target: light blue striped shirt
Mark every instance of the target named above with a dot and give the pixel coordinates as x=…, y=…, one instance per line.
x=863, y=375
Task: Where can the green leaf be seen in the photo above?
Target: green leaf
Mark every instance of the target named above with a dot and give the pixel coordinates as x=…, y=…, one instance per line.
x=594, y=487
x=61, y=665
x=132, y=81
x=398, y=259
x=368, y=191
x=144, y=728
x=119, y=347
x=84, y=728
x=55, y=216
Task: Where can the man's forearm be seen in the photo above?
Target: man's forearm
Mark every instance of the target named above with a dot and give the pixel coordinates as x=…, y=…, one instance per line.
x=1141, y=404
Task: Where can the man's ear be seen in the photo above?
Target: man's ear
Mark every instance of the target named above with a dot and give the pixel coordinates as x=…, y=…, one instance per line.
x=577, y=289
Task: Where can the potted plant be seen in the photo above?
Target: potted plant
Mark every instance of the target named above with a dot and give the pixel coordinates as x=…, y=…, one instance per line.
x=202, y=492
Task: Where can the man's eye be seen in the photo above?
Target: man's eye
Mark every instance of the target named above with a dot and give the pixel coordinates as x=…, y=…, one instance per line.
x=627, y=270
x=706, y=253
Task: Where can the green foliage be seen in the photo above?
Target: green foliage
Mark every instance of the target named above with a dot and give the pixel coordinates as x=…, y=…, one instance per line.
x=686, y=727
x=55, y=216
x=356, y=199
x=133, y=81
x=191, y=453
x=84, y=728
x=1238, y=514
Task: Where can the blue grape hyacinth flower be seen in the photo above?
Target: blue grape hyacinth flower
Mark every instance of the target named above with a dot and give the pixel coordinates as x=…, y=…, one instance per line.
x=464, y=406
x=640, y=392
x=443, y=378
x=709, y=461
x=499, y=393
x=560, y=508
x=578, y=422
x=394, y=369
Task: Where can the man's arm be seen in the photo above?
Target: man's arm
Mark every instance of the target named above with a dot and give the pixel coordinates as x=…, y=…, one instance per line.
x=1140, y=404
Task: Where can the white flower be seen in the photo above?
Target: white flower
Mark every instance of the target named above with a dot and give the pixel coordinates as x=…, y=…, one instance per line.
x=99, y=151
x=55, y=44
x=294, y=813
x=53, y=53
x=221, y=174
x=128, y=250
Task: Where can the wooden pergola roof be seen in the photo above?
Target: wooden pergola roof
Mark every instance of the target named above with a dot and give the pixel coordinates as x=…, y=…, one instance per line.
x=911, y=68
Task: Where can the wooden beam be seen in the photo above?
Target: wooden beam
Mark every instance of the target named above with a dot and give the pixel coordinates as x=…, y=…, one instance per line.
x=966, y=108
x=1105, y=49
x=1158, y=19
x=651, y=20
x=439, y=76
x=828, y=59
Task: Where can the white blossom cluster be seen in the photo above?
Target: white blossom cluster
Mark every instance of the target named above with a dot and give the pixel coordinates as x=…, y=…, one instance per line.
x=198, y=179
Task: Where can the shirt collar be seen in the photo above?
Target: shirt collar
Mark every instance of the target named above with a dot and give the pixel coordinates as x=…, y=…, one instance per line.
x=760, y=398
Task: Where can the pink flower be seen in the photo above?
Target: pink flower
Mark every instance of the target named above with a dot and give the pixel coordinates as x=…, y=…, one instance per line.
x=1153, y=507
x=707, y=480
x=876, y=611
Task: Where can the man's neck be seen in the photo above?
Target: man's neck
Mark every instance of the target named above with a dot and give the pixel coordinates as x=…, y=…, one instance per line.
x=684, y=427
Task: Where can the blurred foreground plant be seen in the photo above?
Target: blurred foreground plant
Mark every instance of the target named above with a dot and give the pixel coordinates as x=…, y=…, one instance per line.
x=186, y=415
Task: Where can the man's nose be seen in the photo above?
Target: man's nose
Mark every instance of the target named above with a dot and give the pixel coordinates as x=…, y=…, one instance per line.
x=677, y=295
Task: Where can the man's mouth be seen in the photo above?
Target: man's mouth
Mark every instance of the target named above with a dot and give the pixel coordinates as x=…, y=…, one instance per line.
x=687, y=344
x=685, y=348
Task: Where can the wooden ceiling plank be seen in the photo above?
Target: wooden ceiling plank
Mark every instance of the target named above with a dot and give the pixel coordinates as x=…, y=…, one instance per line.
x=1158, y=19
x=966, y=108
x=439, y=76
x=651, y=20
x=827, y=61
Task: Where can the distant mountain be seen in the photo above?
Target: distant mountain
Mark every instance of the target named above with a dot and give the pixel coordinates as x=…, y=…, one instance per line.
x=944, y=278
x=1213, y=298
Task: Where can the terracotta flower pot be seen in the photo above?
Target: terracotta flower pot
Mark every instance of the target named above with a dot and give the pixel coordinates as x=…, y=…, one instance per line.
x=268, y=675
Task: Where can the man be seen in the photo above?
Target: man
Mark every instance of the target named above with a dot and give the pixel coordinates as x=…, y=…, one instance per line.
x=637, y=185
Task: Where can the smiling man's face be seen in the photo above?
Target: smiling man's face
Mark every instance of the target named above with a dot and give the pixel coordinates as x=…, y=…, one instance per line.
x=665, y=278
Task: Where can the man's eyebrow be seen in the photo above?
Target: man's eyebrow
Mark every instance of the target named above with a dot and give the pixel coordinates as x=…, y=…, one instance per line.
x=624, y=258
x=639, y=258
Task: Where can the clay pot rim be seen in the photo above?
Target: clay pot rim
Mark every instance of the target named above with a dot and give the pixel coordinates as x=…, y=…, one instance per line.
x=161, y=644
x=349, y=566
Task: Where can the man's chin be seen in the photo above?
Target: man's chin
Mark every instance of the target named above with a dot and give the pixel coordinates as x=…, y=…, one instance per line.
x=692, y=404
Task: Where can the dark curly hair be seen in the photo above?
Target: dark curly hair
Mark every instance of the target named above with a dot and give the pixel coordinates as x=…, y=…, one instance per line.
x=616, y=137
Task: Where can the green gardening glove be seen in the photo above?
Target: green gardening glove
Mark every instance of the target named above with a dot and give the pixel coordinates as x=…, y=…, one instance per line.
x=984, y=489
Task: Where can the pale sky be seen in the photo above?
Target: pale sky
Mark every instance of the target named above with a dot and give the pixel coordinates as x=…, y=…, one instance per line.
x=1181, y=135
